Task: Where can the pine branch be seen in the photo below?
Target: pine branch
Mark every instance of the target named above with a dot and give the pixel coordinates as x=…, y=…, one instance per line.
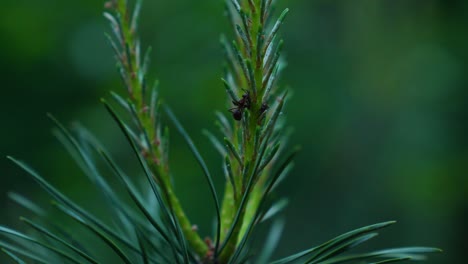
x=252, y=153
x=143, y=106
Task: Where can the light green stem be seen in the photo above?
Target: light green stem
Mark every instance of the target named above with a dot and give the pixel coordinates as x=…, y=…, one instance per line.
x=190, y=233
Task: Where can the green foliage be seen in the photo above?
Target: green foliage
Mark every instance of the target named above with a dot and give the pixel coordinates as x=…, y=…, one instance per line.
x=155, y=229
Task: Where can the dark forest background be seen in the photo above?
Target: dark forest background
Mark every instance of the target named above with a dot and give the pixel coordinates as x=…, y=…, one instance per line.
x=379, y=107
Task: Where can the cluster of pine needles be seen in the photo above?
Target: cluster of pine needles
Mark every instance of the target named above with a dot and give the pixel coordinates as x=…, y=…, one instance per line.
x=148, y=223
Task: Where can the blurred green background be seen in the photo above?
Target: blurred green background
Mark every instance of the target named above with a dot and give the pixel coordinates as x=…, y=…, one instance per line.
x=379, y=106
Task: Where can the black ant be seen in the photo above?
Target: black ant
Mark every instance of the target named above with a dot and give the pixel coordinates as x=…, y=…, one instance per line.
x=263, y=108
x=262, y=112
x=240, y=105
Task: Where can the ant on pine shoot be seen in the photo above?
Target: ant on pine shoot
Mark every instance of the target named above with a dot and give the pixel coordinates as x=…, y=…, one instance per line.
x=242, y=104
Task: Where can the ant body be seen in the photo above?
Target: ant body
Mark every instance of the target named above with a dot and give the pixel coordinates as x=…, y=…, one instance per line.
x=263, y=108
x=240, y=105
x=244, y=103
x=262, y=111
